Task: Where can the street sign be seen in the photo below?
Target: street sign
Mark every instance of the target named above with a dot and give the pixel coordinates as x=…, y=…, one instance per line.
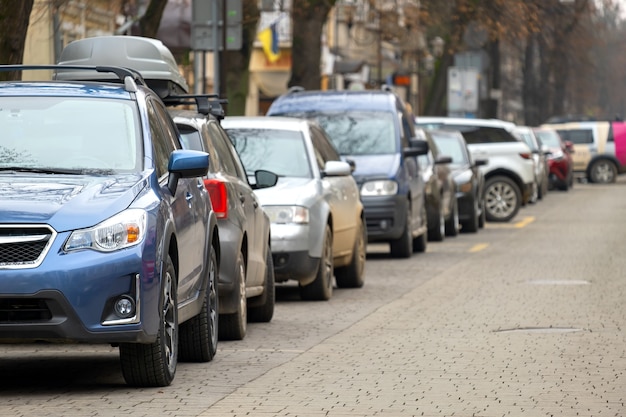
x=202, y=29
x=462, y=91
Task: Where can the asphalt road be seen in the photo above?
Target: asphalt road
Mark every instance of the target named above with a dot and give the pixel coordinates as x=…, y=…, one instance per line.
x=520, y=319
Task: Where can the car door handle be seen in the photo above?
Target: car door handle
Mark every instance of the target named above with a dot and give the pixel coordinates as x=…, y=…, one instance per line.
x=188, y=197
x=255, y=204
x=242, y=198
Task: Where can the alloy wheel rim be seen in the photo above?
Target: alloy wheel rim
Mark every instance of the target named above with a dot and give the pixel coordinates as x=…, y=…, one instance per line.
x=242, y=295
x=169, y=323
x=213, y=315
x=501, y=199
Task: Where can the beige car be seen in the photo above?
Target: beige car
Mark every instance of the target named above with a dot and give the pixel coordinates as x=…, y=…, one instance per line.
x=599, y=148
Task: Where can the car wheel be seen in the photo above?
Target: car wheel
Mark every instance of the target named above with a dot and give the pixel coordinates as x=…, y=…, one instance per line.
x=420, y=242
x=452, y=225
x=482, y=219
x=197, y=340
x=602, y=171
x=472, y=225
x=154, y=364
x=264, y=310
x=233, y=326
x=322, y=287
x=437, y=228
x=351, y=276
x=402, y=247
x=503, y=199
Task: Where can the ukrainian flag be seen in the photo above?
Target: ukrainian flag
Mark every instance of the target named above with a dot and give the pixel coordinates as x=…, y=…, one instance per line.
x=269, y=40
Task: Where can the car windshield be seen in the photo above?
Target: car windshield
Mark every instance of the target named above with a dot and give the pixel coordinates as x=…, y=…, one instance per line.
x=450, y=146
x=474, y=134
x=62, y=134
x=527, y=138
x=358, y=132
x=280, y=151
x=549, y=138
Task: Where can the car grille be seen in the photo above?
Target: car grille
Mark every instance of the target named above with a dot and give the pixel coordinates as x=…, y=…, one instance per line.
x=16, y=310
x=24, y=246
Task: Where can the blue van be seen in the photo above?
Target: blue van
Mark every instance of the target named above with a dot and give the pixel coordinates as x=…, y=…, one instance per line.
x=374, y=130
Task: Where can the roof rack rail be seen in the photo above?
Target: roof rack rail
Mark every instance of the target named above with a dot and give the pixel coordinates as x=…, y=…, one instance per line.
x=205, y=103
x=123, y=74
x=295, y=89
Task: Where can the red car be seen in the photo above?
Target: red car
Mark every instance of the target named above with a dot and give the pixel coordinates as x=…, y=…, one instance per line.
x=559, y=159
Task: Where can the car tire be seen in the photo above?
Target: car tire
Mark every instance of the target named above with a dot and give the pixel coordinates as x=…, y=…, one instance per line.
x=321, y=289
x=263, y=309
x=402, y=247
x=482, y=219
x=452, y=225
x=351, y=276
x=420, y=243
x=197, y=341
x=473, y=224
x=503, y=199
x=437, y=228
x=154, y=364
x=233, y=326
x=602, y=171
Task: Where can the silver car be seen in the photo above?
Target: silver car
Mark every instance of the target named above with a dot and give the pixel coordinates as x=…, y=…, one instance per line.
x=317, y=223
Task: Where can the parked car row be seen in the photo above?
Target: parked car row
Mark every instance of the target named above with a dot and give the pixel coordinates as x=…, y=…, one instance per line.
x=138, y=215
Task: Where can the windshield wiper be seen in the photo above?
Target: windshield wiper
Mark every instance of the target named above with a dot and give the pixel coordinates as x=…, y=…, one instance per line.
x=14, y=170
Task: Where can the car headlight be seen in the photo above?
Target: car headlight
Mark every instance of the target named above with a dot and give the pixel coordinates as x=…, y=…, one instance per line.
x=125, y=229
x=380, y=187
x=287, y=214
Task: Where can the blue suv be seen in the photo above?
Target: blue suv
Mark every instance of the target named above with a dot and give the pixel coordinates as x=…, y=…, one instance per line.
x=107, y=234
x=374, y=130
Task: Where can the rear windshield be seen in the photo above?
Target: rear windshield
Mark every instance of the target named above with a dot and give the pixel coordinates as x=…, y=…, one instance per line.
x=73, y=134
x=280, y=151
x=476, y=134
x=358, y=132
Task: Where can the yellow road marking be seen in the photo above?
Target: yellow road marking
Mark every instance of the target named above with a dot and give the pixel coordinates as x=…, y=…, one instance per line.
x=478, y=247
x=524, y=222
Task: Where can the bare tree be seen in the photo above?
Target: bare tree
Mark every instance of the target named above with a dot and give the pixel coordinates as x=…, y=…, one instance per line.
x=14, y=18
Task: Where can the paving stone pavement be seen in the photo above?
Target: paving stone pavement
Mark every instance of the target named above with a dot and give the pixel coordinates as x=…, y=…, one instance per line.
x=538, y=334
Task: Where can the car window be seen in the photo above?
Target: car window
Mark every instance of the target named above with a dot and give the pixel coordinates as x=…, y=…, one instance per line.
x=280, y=151
x=450, y=146
x=162, y=140
x=69, y=133
x=360, y=132
x=227, y=162
x=577, y=136
x=549, y=138
x=527, y=138
x=475, y=134
x=323, y=144
x=225, y=142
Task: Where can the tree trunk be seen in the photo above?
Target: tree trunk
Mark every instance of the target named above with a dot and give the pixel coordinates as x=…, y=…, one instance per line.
x=14, y=18
x=309, y=17
x=150, y=21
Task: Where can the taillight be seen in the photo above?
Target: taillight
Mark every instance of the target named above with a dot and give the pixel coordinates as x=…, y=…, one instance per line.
x=219, y=197
x=526, y=155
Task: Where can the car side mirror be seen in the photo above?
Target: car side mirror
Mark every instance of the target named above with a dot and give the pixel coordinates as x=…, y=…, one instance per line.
x=481, y=162
x=444, y=159
x=264, y=179
x=352, y=165
x=416, y=147
x=336, y=169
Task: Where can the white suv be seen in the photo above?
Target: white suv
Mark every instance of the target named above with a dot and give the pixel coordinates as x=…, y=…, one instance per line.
x=509, y=174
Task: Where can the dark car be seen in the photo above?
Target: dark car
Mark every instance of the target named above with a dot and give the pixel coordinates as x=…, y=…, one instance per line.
x=373, y=129
x=469, y=179
x=441, y=204
x=246, y=280
x=106, y=236
x=560, y=162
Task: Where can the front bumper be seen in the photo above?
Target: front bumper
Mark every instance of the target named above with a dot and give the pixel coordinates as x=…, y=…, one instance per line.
x=385, y=217
x=294, y=250
x=70, y=297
